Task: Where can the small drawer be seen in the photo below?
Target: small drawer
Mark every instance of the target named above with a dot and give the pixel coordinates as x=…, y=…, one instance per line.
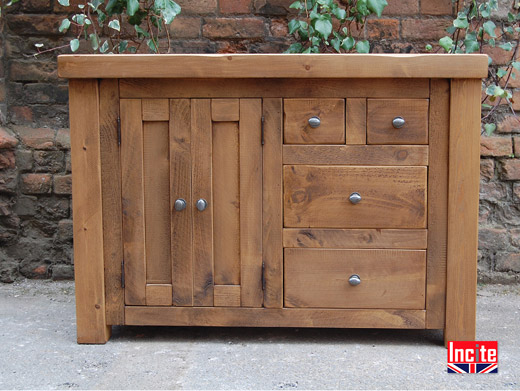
x=397, y=121
x=354, y=196
x=314, y=121
x=354, y=278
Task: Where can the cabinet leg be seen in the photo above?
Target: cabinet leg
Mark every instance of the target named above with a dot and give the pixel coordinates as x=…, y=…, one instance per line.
x=88, y=334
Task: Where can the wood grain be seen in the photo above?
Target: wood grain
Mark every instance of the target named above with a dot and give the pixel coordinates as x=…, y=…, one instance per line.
x=381, y=113
x=111, y=194
x=297, y=113
x=159, y=294
x=201, y=154
x=88, y=212
x=272, y=221
x=320, y=278
x=463, y=203
x=438, y=204
x=273, y=317
x=181, y=221
x=133, y=201
x=156, y=109
x=226, y=203
x=251, y=202
x=225, y=110
x=355, y=238
x=156, y=170
x=356, y=122
x=318, y=196
x=273, y=66
x=227, y=296
x=367, y=155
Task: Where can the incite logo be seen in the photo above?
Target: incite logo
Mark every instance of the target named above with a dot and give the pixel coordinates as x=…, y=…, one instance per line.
x=472, y=357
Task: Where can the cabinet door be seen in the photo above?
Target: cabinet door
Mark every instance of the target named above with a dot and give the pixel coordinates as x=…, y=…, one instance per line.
x=205, y=153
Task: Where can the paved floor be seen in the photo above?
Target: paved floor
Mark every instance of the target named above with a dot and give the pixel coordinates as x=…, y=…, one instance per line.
x=38, y=351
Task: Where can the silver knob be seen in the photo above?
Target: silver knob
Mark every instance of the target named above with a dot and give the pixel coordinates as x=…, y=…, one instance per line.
x=314, y=122
x=202, y=204
x=398, y=122
x=355, y=198
x=180, y=204
x=354, y=280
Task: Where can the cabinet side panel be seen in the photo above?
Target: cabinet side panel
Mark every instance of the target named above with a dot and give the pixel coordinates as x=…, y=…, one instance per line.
x=437, y=204
x=112, y=209
x=88, y=212
x=463, y=205
x=272, y=203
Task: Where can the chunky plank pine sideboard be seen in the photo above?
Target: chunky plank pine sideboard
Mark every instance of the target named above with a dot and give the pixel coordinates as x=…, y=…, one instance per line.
x=275, y=190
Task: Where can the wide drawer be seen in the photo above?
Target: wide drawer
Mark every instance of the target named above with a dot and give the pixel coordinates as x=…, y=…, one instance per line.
x=327, y=278
x=314, y=121
x=325, y=196
x=397, y=121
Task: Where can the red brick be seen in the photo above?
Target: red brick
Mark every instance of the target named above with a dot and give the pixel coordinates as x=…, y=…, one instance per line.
x=436, y=7
x=498, y=55
x=508, y=263
x=35, y=24
x=231, y=47
x=516, y=100
x=183, y=27
x=510, y=124
x=201, y=7
x=516, y=195
x=2, y=88
x=58, y=8
x=513, y=82
x=383, y=29
x=510, y=170
x=235, y=6
x=7, y=139
x=496, y=146
x=424, y=29
x=63, y=139
x=487, y=168
x=273, y=7
x=7, y=159
x=233, y=28
x=402, y=7
x=279, y=27
x=33, y=70
x=29, y=6
x=38, y=138
x=516, y=146
x=36, y=183
x=493, y=191
x=63, y=184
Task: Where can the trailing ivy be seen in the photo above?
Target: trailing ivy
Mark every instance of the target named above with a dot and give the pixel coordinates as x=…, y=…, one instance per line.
x=314, y=28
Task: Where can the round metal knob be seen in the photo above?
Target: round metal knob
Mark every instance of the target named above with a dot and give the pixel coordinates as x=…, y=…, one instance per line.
x=202, y=204
x=314, y=122
x=354, y=280
x=398, y=122
x=355, y=198
x=180, y=204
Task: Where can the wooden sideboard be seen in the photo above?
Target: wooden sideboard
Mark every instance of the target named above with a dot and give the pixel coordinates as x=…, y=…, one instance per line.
x=275, y=190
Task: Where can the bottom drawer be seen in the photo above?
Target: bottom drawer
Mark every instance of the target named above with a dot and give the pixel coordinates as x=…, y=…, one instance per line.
x=327, y=278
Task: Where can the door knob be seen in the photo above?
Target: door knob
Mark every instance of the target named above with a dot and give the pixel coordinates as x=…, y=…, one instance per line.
x=398, y=122
x=355, y=198
x=314, y=122
x=354, y=280
x=202, y=204
x=180, y=204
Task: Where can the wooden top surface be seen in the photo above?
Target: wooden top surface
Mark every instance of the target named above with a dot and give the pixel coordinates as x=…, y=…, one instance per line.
x=273, y=66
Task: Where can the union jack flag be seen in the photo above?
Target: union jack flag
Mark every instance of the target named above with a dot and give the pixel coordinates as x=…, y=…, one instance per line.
x=472, y=368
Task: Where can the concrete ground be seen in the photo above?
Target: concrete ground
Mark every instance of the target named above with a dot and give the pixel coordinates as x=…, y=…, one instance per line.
x=38, y=351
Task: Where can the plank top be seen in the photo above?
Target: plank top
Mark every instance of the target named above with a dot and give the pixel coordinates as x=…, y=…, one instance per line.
x=85, y=66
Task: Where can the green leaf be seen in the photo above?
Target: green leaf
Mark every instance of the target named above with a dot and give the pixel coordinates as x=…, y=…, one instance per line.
x=339, y=13
x=141, y=32
x=169, y=9
x=296, y=5
x=506, y=46
x=64, y=3
x=362, y=7
x=74, y=44
x=307, y=51
x=64, y=26
x=501, y=72
x=428, y=48
x=446, y=43
x=293, y=26
x=489, y=28
x=38, y=45
x=79, y=19
x=377, y=6
x=152, y=45
x=295, y=48
x=485, y=106
x=132, y=6
x=122, y=46
x=362, y=47
x=516, y=65
x=94, y=41
x=471, y=45
x=324, y=27
x=104, y=47
x=336, y=44
x=490, y=128
x=348, y=44
x=461, y=22
x=114, y=24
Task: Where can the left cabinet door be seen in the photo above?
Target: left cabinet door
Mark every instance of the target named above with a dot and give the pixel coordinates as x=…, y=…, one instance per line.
x=192, y=202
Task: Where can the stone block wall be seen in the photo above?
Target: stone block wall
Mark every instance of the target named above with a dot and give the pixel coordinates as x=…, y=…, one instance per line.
x=35, y=181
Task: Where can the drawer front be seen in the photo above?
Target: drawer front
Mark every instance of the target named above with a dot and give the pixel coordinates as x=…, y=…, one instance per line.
x=384, y=121
x=314, y=121
x=327, y=278
x=324, y=196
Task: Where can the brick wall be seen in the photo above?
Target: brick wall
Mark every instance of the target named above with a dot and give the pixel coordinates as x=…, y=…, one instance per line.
x=35, y=214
